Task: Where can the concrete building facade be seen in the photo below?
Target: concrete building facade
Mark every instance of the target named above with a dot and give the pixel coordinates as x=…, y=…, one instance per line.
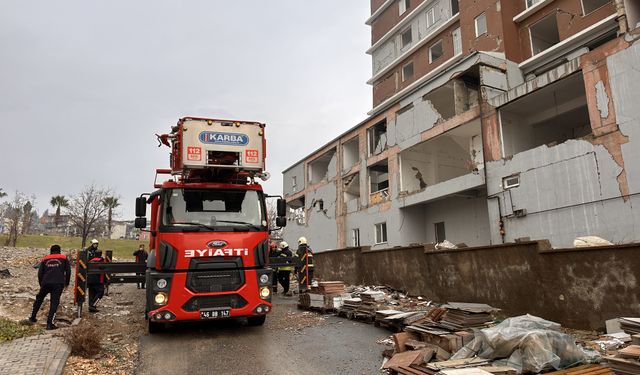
x=491, y=120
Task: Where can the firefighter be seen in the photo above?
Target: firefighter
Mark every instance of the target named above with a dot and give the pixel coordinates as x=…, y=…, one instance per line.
x=141, y=257
x=305, y=254
x=95, y=283
x=54, y=274
x=284, y=272
x=273, y=253
x=92, y=249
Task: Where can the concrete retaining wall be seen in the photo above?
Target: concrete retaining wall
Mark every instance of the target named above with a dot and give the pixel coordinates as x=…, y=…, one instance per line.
x=580, y=288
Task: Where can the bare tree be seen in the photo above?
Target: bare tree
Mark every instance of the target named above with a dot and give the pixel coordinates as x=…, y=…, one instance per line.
x=14, y=217
x=86, y=210
x=27, y=216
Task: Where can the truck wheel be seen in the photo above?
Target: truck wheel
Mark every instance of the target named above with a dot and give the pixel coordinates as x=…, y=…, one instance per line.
x=154, y=327
x=256, y=320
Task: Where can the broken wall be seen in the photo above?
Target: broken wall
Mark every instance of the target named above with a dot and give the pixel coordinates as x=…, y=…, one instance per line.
x=579, y=288
x=297, y=172
x=466, y=220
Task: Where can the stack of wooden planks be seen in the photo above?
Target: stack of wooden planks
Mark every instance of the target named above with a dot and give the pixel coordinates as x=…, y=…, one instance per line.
x=626, y=361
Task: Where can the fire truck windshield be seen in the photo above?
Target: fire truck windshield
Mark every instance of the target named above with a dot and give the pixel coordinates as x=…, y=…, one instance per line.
x=213, y=210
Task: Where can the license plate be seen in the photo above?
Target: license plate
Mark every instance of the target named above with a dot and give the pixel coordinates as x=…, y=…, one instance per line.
x=215, y=314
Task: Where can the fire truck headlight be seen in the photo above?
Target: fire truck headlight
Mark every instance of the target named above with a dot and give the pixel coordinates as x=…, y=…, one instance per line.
x=161, y=299
x=161, y=283
x=265, y=292
x=264, y=279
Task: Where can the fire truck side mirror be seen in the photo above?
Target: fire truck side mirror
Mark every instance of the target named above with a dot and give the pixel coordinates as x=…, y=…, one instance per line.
x=281, y=222
x=141, y=222
x=141, y=206
x=282, y=207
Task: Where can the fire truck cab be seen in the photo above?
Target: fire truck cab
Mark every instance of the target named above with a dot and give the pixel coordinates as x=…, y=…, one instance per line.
x=209, y=229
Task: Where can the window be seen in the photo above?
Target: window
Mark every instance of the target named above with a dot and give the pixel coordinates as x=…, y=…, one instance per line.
x=407, y=71
x=435, y=51
x=355, y=237
x=439, y=230
x=457, y=42
x=406, y=37
x=511, y=182
x=481, y=25
x=431, y=17
x=455, y=7
x=294, y=182
x=403, y=6
x=531, y=3
x=377, y=135
x=544, y=34
x=589, y=6
x=381, y=233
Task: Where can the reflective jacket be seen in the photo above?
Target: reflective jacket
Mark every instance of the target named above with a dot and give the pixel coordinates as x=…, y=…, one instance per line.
x=305, y=254
x=286, y=252
x=54, y=269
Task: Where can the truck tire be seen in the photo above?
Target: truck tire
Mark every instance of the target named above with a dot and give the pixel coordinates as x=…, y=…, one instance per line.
x=255, y=321
x=154, y=327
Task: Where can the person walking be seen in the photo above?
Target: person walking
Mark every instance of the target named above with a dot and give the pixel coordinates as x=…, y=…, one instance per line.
x=141, y=257
x=54, y=274
x=284, y=272
x=305, y=274
x=95, y=283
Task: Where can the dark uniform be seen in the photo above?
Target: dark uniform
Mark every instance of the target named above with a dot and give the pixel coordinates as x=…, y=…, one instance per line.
x=54, y=274
x=273, y=253
x=284, y=272
x=305, y=275
x=95, y=283
x=141, y=257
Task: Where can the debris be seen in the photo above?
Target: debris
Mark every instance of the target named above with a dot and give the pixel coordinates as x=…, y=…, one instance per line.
x=406, y=359
x=590, y=241
x=630, y=325
x=4, y=273
x=445, y=245
x=627, y=360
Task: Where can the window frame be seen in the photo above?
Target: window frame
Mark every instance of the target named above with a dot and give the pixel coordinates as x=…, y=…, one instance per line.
x=458, y=42
x=431, y=11
x=431, y=59
x=486, y=27
x=584, y=12
x=355, y=237
x=436, y=231
x=377, y=240
x=403, y=6
x=403, y=77
x=408, y=31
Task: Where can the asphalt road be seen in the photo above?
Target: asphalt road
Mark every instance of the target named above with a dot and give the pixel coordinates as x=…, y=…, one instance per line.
x=335, y=346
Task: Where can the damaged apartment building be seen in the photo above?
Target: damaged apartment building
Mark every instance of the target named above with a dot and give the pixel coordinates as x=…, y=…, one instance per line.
x=492, y=121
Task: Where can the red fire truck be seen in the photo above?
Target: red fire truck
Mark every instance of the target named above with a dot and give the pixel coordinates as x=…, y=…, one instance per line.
x=208, y=223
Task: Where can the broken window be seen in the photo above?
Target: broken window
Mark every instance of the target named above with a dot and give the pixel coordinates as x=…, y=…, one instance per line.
x=454, y=98
x=481, y=25
x=544, y=34
x=381, y=233
x=350, y=153
x=457, y=42
x=435, y=51
x=407, y=71
x=549, y=116
x=406, y=37
x=297, y=212
x=351, y=187
x=377, y=135
x=319, y=168
x=379, y=182
x=403, y=5
x=294, y=183
x=455, y=7
x=431, y=17
x=589, y=6
x=455, y=153
x=355, y=237
x=439, y=232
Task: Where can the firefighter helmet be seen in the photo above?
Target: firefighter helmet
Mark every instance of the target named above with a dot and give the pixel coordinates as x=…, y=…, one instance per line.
x=302, y=241
x=284, y=245
x=94, y=241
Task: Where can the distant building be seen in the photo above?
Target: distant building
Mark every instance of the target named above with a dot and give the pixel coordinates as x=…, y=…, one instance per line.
x=492, y=120
x=122, y=230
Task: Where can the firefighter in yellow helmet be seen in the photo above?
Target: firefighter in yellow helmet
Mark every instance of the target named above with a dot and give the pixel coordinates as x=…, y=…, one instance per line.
x=305, y=274
x=284, y=272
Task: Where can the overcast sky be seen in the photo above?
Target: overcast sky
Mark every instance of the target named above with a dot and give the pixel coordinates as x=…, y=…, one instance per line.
x=84, y=85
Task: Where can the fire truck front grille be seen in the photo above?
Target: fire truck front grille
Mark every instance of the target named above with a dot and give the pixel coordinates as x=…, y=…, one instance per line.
x=215, y=275
x=233, y=301
x=215, y=281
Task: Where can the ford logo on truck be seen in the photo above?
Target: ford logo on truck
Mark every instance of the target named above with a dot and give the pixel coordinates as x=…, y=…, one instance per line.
x=217, y=244
x=227, y=139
